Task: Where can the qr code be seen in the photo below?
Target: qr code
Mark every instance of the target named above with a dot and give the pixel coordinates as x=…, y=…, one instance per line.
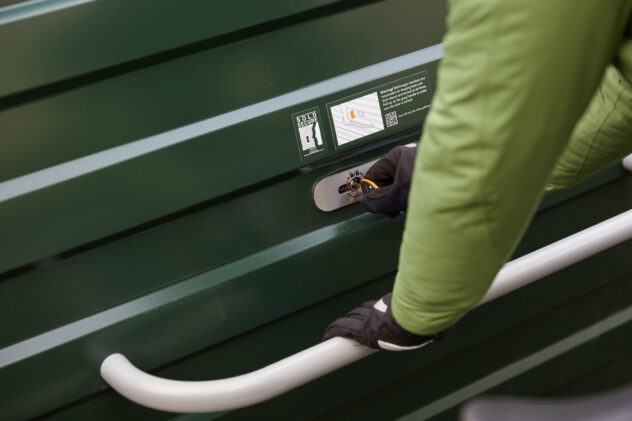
x=391, y=119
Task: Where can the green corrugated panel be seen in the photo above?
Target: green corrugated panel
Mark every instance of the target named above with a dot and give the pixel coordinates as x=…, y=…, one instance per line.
x=166, y=97
x=194, y=258
x=52, y=41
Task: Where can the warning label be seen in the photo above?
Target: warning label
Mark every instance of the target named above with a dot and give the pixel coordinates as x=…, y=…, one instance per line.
x=386, y=109
x=307, y=127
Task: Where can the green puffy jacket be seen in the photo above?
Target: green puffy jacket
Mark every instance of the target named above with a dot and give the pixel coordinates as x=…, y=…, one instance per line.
x=505, y=126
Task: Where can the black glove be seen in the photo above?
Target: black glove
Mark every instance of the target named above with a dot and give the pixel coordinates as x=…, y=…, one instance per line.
x=372, y=324
x=386, y=184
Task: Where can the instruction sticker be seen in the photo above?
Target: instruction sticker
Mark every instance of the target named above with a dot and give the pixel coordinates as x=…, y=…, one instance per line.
x=380, y=111
x=307, y=126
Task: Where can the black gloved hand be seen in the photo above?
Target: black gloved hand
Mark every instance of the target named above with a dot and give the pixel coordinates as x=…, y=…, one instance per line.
x=386, y=184
x=372, y=324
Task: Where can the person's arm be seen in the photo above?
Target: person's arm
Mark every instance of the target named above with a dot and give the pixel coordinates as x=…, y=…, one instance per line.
x=601, y=137
x=515, y=77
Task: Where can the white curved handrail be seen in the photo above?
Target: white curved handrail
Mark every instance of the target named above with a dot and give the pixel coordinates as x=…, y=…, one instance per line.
x=627, y=162
x=234, y=392
x=307, y=365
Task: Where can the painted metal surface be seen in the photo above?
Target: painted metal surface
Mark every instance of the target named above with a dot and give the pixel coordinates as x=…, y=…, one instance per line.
x=215, y=240
x=154, y=100
x=101, y=34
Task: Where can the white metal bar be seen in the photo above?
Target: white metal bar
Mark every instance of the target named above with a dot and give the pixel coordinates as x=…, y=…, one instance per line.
x=307, y=365
x=234, y=392
x=627, y=162
x=562, y=253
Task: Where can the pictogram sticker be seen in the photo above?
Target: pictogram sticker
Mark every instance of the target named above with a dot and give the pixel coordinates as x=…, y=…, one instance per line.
x=307, y=126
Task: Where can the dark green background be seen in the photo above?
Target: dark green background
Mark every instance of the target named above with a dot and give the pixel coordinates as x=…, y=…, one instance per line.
x=210, y=255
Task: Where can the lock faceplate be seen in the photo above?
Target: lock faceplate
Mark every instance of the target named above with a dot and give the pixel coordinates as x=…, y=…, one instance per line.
x=340, y=189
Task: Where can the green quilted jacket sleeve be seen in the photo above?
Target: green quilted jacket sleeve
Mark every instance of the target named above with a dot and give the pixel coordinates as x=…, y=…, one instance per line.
x=515, y=78
x=602, y=136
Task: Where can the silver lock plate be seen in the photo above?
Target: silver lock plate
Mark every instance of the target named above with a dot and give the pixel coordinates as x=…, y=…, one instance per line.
x=340, y=189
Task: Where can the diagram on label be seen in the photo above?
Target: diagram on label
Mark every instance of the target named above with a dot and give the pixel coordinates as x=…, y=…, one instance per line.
x=357, y=118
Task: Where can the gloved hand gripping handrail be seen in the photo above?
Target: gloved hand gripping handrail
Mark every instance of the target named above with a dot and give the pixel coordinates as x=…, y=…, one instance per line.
x=311, y=363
